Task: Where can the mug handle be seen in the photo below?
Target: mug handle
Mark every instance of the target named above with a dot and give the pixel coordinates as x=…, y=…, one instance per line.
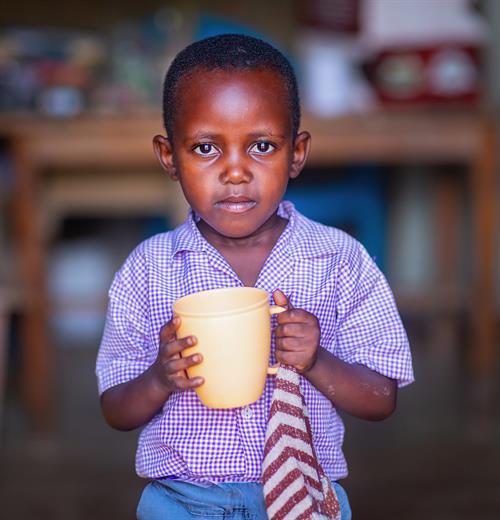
x=274, y=309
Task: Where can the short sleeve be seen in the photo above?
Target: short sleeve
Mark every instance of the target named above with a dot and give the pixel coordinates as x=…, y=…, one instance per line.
x=369, y=330
x=126, y=349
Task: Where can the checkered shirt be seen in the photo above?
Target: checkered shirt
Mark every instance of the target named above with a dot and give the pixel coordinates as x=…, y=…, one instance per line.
x=322, y=269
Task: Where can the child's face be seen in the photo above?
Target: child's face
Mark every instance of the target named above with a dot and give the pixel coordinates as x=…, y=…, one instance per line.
x=232, y=148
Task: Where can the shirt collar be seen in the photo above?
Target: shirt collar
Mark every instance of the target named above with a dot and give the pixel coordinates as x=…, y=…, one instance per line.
x=188, y=237
x=298, y=238
x=309, y=239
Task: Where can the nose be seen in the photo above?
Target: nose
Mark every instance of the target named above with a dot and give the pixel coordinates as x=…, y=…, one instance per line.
x=235, y=170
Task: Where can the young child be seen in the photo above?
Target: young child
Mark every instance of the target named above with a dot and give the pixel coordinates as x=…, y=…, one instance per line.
x=232, y=117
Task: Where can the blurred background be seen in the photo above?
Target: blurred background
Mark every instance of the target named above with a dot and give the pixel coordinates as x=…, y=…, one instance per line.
x=402, y=99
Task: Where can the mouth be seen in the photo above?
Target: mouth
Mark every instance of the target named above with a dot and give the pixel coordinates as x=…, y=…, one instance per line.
x=236, y=204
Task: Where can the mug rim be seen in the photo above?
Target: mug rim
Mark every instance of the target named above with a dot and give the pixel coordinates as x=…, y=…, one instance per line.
x=217, y=313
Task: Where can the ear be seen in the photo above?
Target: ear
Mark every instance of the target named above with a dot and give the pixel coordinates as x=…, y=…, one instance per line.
x=301, y=148
x=165, y=155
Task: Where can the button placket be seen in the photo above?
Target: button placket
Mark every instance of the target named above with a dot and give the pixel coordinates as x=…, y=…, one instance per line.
x=247, y=413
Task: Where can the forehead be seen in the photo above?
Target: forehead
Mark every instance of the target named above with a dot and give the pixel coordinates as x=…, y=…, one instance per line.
x=248, y=95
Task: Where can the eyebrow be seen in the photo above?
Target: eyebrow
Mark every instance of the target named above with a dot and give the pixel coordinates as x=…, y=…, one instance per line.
x=267, y=134
x=201, y=135
x=213, y=136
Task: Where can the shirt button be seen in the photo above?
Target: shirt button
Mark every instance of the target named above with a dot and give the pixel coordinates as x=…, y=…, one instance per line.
x=247, y=413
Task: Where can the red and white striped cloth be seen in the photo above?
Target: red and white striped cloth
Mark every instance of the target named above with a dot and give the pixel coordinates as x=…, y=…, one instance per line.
x=295, y=486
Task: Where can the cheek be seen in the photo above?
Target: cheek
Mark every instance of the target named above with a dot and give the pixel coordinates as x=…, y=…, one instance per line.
x=198, y=190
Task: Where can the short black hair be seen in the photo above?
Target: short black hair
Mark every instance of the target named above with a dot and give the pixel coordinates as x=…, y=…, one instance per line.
x=229, y=52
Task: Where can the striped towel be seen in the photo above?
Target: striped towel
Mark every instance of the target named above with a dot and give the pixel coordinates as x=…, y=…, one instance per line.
x=295, y=486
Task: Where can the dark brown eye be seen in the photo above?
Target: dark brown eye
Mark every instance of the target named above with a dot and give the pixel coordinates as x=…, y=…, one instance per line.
x=205, y=149
x=262, y=147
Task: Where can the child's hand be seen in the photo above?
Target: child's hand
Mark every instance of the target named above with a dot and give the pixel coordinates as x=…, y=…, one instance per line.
x=170, y=366
x=297, y=335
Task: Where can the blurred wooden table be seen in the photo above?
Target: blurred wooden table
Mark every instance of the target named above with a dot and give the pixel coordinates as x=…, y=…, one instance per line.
x=432, y=137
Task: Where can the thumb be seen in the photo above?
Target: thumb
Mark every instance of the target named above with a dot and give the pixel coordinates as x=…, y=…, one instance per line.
x=167, y=332
x=280, y=298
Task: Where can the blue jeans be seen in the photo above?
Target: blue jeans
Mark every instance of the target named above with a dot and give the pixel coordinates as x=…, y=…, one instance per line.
x=176, y=500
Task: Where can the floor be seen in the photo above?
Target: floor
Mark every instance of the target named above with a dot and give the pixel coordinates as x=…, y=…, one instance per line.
x=429, y=460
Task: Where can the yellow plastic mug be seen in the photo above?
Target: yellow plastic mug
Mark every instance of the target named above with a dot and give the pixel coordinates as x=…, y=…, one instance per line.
x=233, y=329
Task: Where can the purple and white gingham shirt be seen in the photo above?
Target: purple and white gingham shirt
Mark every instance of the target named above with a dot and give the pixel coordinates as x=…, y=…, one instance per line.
x=321, y=269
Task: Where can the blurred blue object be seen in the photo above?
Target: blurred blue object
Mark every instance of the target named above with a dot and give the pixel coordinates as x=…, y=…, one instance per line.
x=355, y=203
x=155, y=225
x=211, y=25
x=78, y=271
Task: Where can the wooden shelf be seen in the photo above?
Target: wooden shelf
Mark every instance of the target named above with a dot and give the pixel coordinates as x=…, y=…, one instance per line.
x=123, y=143
x=395, y=136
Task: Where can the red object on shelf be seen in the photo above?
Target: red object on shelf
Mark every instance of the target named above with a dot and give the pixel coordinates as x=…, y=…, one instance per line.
x=439, y=74
x=340, y=16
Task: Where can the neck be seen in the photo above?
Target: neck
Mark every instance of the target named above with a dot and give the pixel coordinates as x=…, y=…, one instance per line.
x=265, y=235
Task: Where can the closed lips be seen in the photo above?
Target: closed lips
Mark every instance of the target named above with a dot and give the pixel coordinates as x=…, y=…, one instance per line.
x=236, y=204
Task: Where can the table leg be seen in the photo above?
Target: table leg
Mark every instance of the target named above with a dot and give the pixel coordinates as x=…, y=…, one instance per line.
x=446, y=322
x=448, y=224
x=36, y=356
x=4, y=350
x=483, y=352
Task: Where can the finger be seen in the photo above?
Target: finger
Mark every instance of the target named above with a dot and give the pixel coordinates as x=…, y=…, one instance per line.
x=287, y=358
x=280, y=298
x=289, y=344
x=181, y=364
x=168, y=331
x=172, y=348
x=292, y=329
x=184, y=383
x=294, y=316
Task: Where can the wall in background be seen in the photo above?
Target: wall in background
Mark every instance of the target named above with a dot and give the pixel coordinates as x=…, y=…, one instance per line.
x=492, y=10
